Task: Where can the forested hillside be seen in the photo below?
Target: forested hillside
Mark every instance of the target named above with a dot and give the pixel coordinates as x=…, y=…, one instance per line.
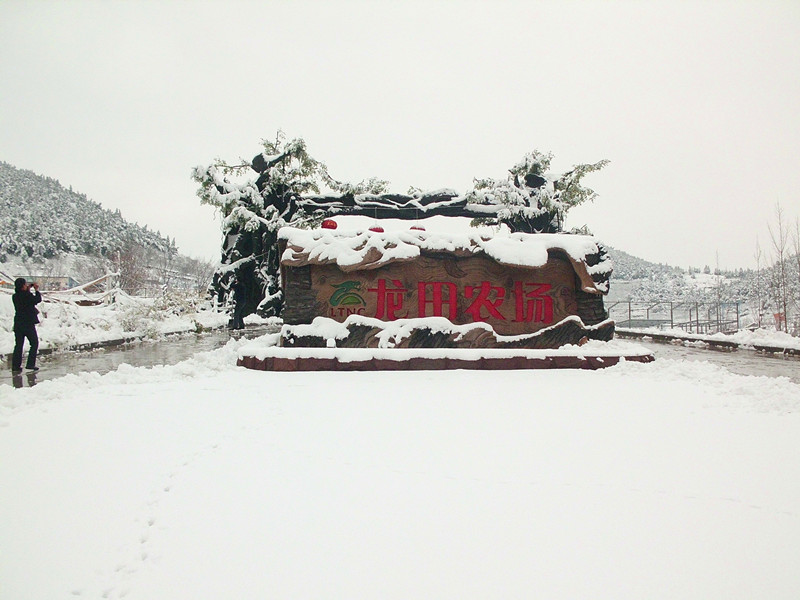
x=627, y=266
x=47, y=230
x=774, y=288
x=41, y=219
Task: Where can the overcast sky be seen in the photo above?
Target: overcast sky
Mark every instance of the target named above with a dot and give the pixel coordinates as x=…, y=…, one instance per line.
x=696, y=104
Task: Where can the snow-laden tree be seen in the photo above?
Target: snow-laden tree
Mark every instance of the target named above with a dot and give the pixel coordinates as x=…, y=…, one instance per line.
x=253, y=209
x=531, y=199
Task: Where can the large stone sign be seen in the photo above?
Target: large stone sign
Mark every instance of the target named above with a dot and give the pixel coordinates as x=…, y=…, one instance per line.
x=518, y=284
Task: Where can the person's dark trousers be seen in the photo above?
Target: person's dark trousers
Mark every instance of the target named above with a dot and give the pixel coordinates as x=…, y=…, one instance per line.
x=33, y=340
x=238, y=320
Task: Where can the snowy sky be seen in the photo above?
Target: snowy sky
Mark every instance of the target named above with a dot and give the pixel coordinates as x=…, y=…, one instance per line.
x=694, y=103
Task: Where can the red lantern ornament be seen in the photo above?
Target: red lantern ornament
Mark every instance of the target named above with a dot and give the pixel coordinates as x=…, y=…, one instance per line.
x=377, y=229
x=417, y=228
x=329, y=224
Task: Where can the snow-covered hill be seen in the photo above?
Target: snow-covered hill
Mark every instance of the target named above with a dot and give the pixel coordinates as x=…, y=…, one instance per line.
x=628, y=267
x=643, y=281
x=40, y=218
x=47, y=230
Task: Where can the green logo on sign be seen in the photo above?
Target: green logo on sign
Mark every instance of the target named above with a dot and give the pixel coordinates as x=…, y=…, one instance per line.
x=346, y=294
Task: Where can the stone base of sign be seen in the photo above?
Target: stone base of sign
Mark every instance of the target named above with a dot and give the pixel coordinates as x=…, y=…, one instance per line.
x=324, y=359
x=421, y=333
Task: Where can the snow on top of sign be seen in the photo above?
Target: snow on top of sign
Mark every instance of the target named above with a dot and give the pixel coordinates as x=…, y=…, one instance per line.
x=350, y=249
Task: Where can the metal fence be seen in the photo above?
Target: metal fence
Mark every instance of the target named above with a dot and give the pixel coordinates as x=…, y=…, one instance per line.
x=694, y=317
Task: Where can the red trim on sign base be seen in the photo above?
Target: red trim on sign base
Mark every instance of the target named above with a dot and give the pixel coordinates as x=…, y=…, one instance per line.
x=437, y=364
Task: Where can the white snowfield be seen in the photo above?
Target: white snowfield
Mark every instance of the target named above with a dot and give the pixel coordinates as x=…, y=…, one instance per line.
x=205, y=480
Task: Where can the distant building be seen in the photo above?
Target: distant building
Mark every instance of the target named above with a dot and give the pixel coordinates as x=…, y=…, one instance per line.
x=51, y=284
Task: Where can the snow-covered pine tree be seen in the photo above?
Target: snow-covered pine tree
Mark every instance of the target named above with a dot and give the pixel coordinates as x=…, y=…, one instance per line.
x=534, y=200
x=254, y=209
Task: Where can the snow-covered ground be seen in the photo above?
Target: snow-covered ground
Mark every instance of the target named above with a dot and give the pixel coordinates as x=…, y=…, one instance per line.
x=744, y=337
x=203, y=480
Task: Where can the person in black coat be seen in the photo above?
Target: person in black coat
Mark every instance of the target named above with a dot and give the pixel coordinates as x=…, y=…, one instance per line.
x=239, y=300
x=26, y=317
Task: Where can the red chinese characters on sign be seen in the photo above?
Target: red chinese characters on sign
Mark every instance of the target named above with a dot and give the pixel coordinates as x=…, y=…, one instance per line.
x=484, y=302
x=390, y=300
x=533, y=303
x=437, y=299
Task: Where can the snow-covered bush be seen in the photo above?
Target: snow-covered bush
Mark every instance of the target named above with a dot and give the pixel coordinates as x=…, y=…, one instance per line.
x=178, y=302
x=134, y=315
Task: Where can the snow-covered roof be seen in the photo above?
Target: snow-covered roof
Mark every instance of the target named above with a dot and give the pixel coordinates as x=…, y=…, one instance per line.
x=364, y=249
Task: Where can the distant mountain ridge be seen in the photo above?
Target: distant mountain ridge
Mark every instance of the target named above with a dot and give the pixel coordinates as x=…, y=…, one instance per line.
x=628, y=267
x=41, y=219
